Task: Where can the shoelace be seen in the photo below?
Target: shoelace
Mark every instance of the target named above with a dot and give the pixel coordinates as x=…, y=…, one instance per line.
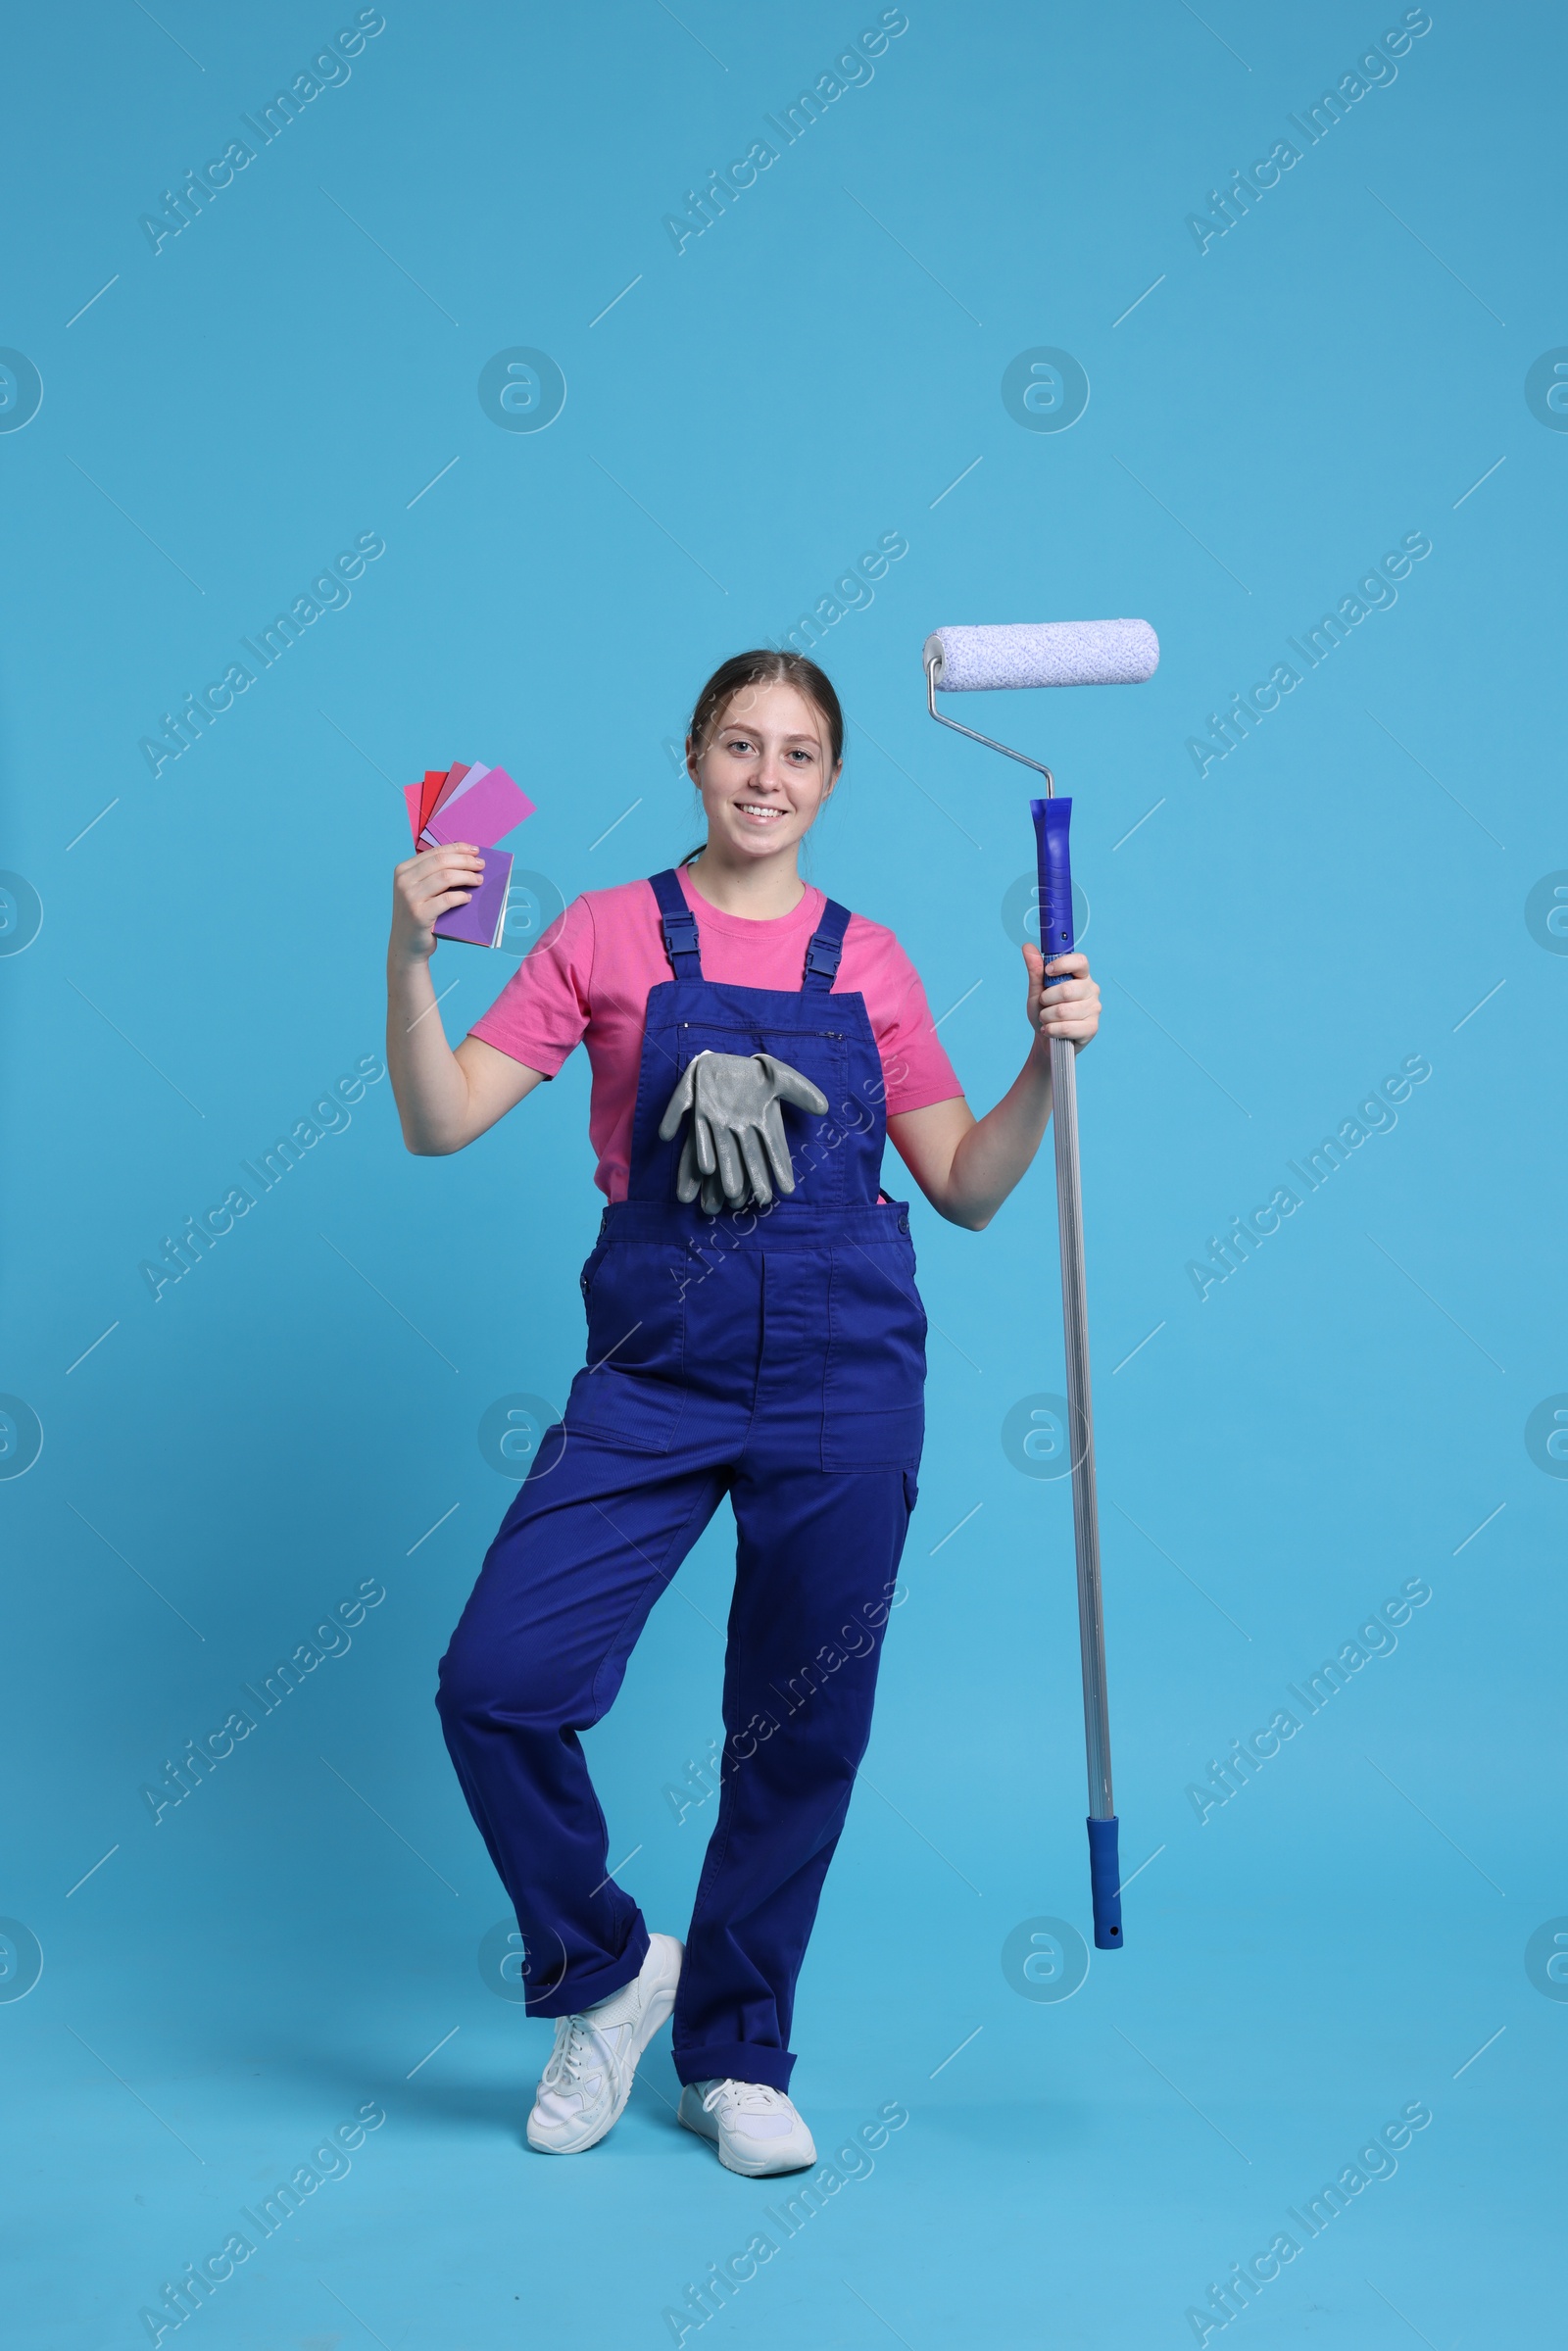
x=569, y=2058
x=752, y=2098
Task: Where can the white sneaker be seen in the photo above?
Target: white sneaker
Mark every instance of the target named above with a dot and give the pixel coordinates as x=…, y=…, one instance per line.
x=584, y=2087
x=756, y=2130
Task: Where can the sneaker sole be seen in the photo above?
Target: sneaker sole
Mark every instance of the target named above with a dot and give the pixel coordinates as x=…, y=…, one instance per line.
x=747, y=2170
x=660, y=2007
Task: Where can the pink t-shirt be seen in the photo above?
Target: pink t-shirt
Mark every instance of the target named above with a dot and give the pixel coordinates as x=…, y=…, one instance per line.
x=588, y=981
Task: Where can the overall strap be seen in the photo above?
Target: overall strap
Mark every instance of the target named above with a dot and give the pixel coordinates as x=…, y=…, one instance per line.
x=823, y=949
x=679, y=925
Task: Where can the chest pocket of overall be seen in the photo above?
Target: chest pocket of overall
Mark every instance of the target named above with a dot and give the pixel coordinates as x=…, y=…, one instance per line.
x=631, y=1386
x=814, y=1142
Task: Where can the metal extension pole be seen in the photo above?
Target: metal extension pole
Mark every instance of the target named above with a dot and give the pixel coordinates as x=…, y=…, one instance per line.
x=1051, y=817
x=1081, y=1413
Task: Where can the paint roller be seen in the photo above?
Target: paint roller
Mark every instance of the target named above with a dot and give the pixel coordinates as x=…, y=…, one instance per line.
x=1062, y=653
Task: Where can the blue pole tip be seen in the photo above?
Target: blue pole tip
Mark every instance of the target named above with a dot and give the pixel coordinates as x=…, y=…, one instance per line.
x=1105, y=1884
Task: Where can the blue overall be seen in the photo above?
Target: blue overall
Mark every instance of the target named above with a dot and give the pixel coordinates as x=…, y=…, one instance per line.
x=777, y=1356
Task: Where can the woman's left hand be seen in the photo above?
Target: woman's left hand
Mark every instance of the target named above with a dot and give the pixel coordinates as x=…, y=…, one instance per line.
x=1063, y=1000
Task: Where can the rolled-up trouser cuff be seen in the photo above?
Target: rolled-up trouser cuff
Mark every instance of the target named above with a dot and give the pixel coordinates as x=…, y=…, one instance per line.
x=736, y=2061
x=582, y=1989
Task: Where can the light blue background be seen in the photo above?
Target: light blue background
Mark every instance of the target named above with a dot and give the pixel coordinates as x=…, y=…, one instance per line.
x=300, y=1411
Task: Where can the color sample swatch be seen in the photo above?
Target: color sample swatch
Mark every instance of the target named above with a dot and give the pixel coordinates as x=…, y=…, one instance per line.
x=477, y=804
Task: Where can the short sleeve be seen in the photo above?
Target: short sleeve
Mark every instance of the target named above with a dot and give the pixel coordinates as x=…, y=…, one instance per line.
x=916, y=1068
x=542, y=1011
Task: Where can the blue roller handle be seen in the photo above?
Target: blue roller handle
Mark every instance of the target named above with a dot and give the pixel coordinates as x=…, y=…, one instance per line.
x=1052, y=820
x=1105, y=1884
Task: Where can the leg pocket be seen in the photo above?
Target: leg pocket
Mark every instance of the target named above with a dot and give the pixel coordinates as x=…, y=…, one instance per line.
x=874, y=1391
x=632, y=1386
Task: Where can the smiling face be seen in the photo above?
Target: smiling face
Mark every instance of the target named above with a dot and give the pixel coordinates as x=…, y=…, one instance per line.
x=764, y=771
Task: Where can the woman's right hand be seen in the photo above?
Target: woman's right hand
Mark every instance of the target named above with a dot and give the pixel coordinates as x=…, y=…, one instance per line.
x=424, y=887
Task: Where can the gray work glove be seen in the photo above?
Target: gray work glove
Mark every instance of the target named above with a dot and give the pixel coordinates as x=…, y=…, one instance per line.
x=737, y=1132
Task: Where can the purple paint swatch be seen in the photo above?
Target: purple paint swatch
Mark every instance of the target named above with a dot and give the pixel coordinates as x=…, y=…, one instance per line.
x=481, y=921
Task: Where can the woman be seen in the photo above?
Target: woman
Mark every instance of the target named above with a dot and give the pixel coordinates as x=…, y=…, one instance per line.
x=754, y=1329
